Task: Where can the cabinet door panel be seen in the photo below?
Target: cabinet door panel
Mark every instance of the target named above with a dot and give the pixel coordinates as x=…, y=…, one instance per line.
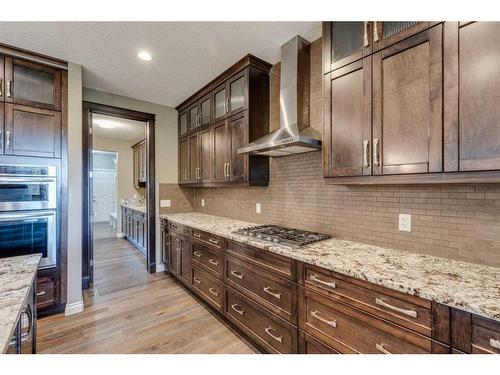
x=185, y=256
x=237, y=93
x=193, y=158
x=183, y=124
x=221, y=151
x=2, y=79
x=32, y=84
x=183, y=160
x=135, y=175
x=32, y=132
x=407, y=79
x=350, y=111
x=174, y=254
x=193, y=117
x=206, y=147
x=220, y=104
x=238, y=130
x=387, y=33
x=205, y=109
x=2, y=129
x=479, y=96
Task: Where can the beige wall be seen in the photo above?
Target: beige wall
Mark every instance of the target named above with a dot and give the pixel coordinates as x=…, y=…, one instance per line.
x=165, y=140
x=125, y=188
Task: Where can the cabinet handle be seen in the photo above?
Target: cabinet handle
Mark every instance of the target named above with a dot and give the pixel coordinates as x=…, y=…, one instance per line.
x=331, y=323
x=197, y=254
x=225, y=170
x=277, y=338
x=197, y=280
x=41, y=293
x=272, y=292
x=366, y=146
x=215, y=242
x=226, y=105
x=229, y=170
x=9, y=89
x=197, y=235
x=366, y=39
x=376, y=154
x=7, y=141
x=495, y=343
x=381, y=349
x=186, y=174
x=237, y=308
x=381, y=302
x=198, y=119
x=375, y=32
x=1, y=83
x=318, y=280
x=214, y=262
x=213, y=291
x=237, y=274
x=29, y=316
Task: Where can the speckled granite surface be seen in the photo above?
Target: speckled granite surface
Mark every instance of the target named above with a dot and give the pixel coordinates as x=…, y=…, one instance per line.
x=467, y=286
x=16, y=276
x=135, y=207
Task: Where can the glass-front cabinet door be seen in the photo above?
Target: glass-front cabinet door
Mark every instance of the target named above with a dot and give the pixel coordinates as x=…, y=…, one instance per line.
x=32, y=84
x=205, y=111
x=183, y=124
x=220, y=103
x=194, y=118
x=387, y=33
x=237, y=98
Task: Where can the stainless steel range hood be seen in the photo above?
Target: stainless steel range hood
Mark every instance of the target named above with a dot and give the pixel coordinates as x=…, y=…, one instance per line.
x=294, y=134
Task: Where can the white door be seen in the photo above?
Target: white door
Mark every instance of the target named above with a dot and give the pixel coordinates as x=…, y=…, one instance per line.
x=104, y=181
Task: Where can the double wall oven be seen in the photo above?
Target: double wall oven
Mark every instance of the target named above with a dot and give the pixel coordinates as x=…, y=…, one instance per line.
x=28, y=212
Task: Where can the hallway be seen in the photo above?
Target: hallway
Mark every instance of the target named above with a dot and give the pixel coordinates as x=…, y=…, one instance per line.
x=131, y=311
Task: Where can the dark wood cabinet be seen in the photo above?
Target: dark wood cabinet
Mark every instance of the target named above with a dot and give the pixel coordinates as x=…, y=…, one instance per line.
x=174, y=264
x=134, y=228
x=194, y=117
x=139, y=163
x=239, y=103
x=386, y=33
x=183, y=123
x=32, y=131
x=23, y=338
x=183, y=160
x=164, y=242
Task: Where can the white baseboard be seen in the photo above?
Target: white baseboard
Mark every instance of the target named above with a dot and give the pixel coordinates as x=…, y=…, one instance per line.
x=120, y=235
x=74, y=308
x=160, y=267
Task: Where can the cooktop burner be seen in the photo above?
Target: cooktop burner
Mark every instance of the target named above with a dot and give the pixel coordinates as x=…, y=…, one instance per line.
x=284, y=236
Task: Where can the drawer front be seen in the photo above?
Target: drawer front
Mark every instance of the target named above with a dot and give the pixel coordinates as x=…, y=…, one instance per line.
x=485, y=336
x=263, y=287
x=208, y=287
x=309, y=345
x=267, y=330
x=178, y=228
x=209, y=239
x=351, y=331
x=211, y=259
x=396, y=307
x=45, y=292
x=281, y=266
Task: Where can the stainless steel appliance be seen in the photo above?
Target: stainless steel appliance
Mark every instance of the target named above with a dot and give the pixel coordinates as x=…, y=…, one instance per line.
x=28, y=212
x=286, y=237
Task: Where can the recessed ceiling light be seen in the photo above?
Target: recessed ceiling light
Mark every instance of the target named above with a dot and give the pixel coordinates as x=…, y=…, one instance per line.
x=106, y=124
x=143, y=55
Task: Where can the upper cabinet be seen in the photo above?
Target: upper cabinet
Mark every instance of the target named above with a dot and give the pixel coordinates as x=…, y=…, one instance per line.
x=421, y=107
x=140, y=164
x=208, y=148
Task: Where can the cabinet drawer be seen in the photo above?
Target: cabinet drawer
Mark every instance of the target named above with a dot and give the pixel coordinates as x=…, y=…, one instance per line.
x=181, y=229
x=403, y=309
x=485, y=336
x=267, y=330
x=45, y=292
x=208, y=258
x=349, y=330
x=275, y=293
x=309, y=345
x=208, y=287
x=281, y=266
x=209, y=239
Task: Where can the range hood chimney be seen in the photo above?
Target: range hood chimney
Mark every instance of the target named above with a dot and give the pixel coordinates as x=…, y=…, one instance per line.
x=294, y=135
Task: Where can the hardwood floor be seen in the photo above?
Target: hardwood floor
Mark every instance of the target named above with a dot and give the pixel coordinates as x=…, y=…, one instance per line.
x=132, y=311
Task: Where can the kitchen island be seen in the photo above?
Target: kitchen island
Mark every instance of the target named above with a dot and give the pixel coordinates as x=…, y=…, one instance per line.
x=17, y=280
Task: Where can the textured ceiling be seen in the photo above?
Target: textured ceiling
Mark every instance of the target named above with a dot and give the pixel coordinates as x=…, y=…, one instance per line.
x=186, y=55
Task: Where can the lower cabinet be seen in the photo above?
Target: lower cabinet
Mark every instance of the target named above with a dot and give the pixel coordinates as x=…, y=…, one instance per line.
x=209, y=287
x=309, y=345
x=134, y=228
x=23, y=339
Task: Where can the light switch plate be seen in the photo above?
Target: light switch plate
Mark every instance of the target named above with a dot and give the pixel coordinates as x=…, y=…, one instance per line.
x=257, y=208
x=202, y=202
x=165, y=203
x=405, y=222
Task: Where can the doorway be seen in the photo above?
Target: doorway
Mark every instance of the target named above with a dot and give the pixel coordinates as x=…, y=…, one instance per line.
x=118, y=170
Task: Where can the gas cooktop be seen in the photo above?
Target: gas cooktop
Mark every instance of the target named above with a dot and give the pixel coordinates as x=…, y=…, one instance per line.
x=288, y=237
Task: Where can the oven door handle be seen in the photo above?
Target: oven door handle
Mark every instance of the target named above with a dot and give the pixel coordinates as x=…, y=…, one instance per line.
x=4, y=179
x=25, y=215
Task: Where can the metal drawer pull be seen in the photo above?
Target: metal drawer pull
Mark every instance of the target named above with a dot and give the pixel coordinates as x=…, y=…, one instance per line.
x=376, y=153
x=366, y=146
x=318, y=280
x=272, y=292
x=213, y=261
x=215, y=242
x=9, y=89
x=237, y=274
x=197, y=254
x=1, y=83
x=366, y=41
x=197, y=235
x=41, y=293
x=332, y=323
x=213, y=291
x=381, y=302
x=197, y=280
x=381, y=349
x=234, y=307
x=495, y=343
x=277, y=338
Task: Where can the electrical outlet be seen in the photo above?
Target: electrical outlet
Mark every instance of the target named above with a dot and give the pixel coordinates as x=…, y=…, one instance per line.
x=405, y=222
x=202, y=202
x=257, y=208
x=165, y=203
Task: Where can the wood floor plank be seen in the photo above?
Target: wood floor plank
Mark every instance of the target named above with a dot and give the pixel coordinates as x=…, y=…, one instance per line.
x=131, y=311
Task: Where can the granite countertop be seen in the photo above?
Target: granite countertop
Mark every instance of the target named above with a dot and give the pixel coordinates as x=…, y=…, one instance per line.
x=16, y=276
x=471, y=287
x=136, y=207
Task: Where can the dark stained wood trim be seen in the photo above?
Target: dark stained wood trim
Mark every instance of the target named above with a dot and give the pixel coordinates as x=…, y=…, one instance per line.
x=327, y=47
x=64, y=189
x=151, y=191
x=9, y=50
x=235, y=68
